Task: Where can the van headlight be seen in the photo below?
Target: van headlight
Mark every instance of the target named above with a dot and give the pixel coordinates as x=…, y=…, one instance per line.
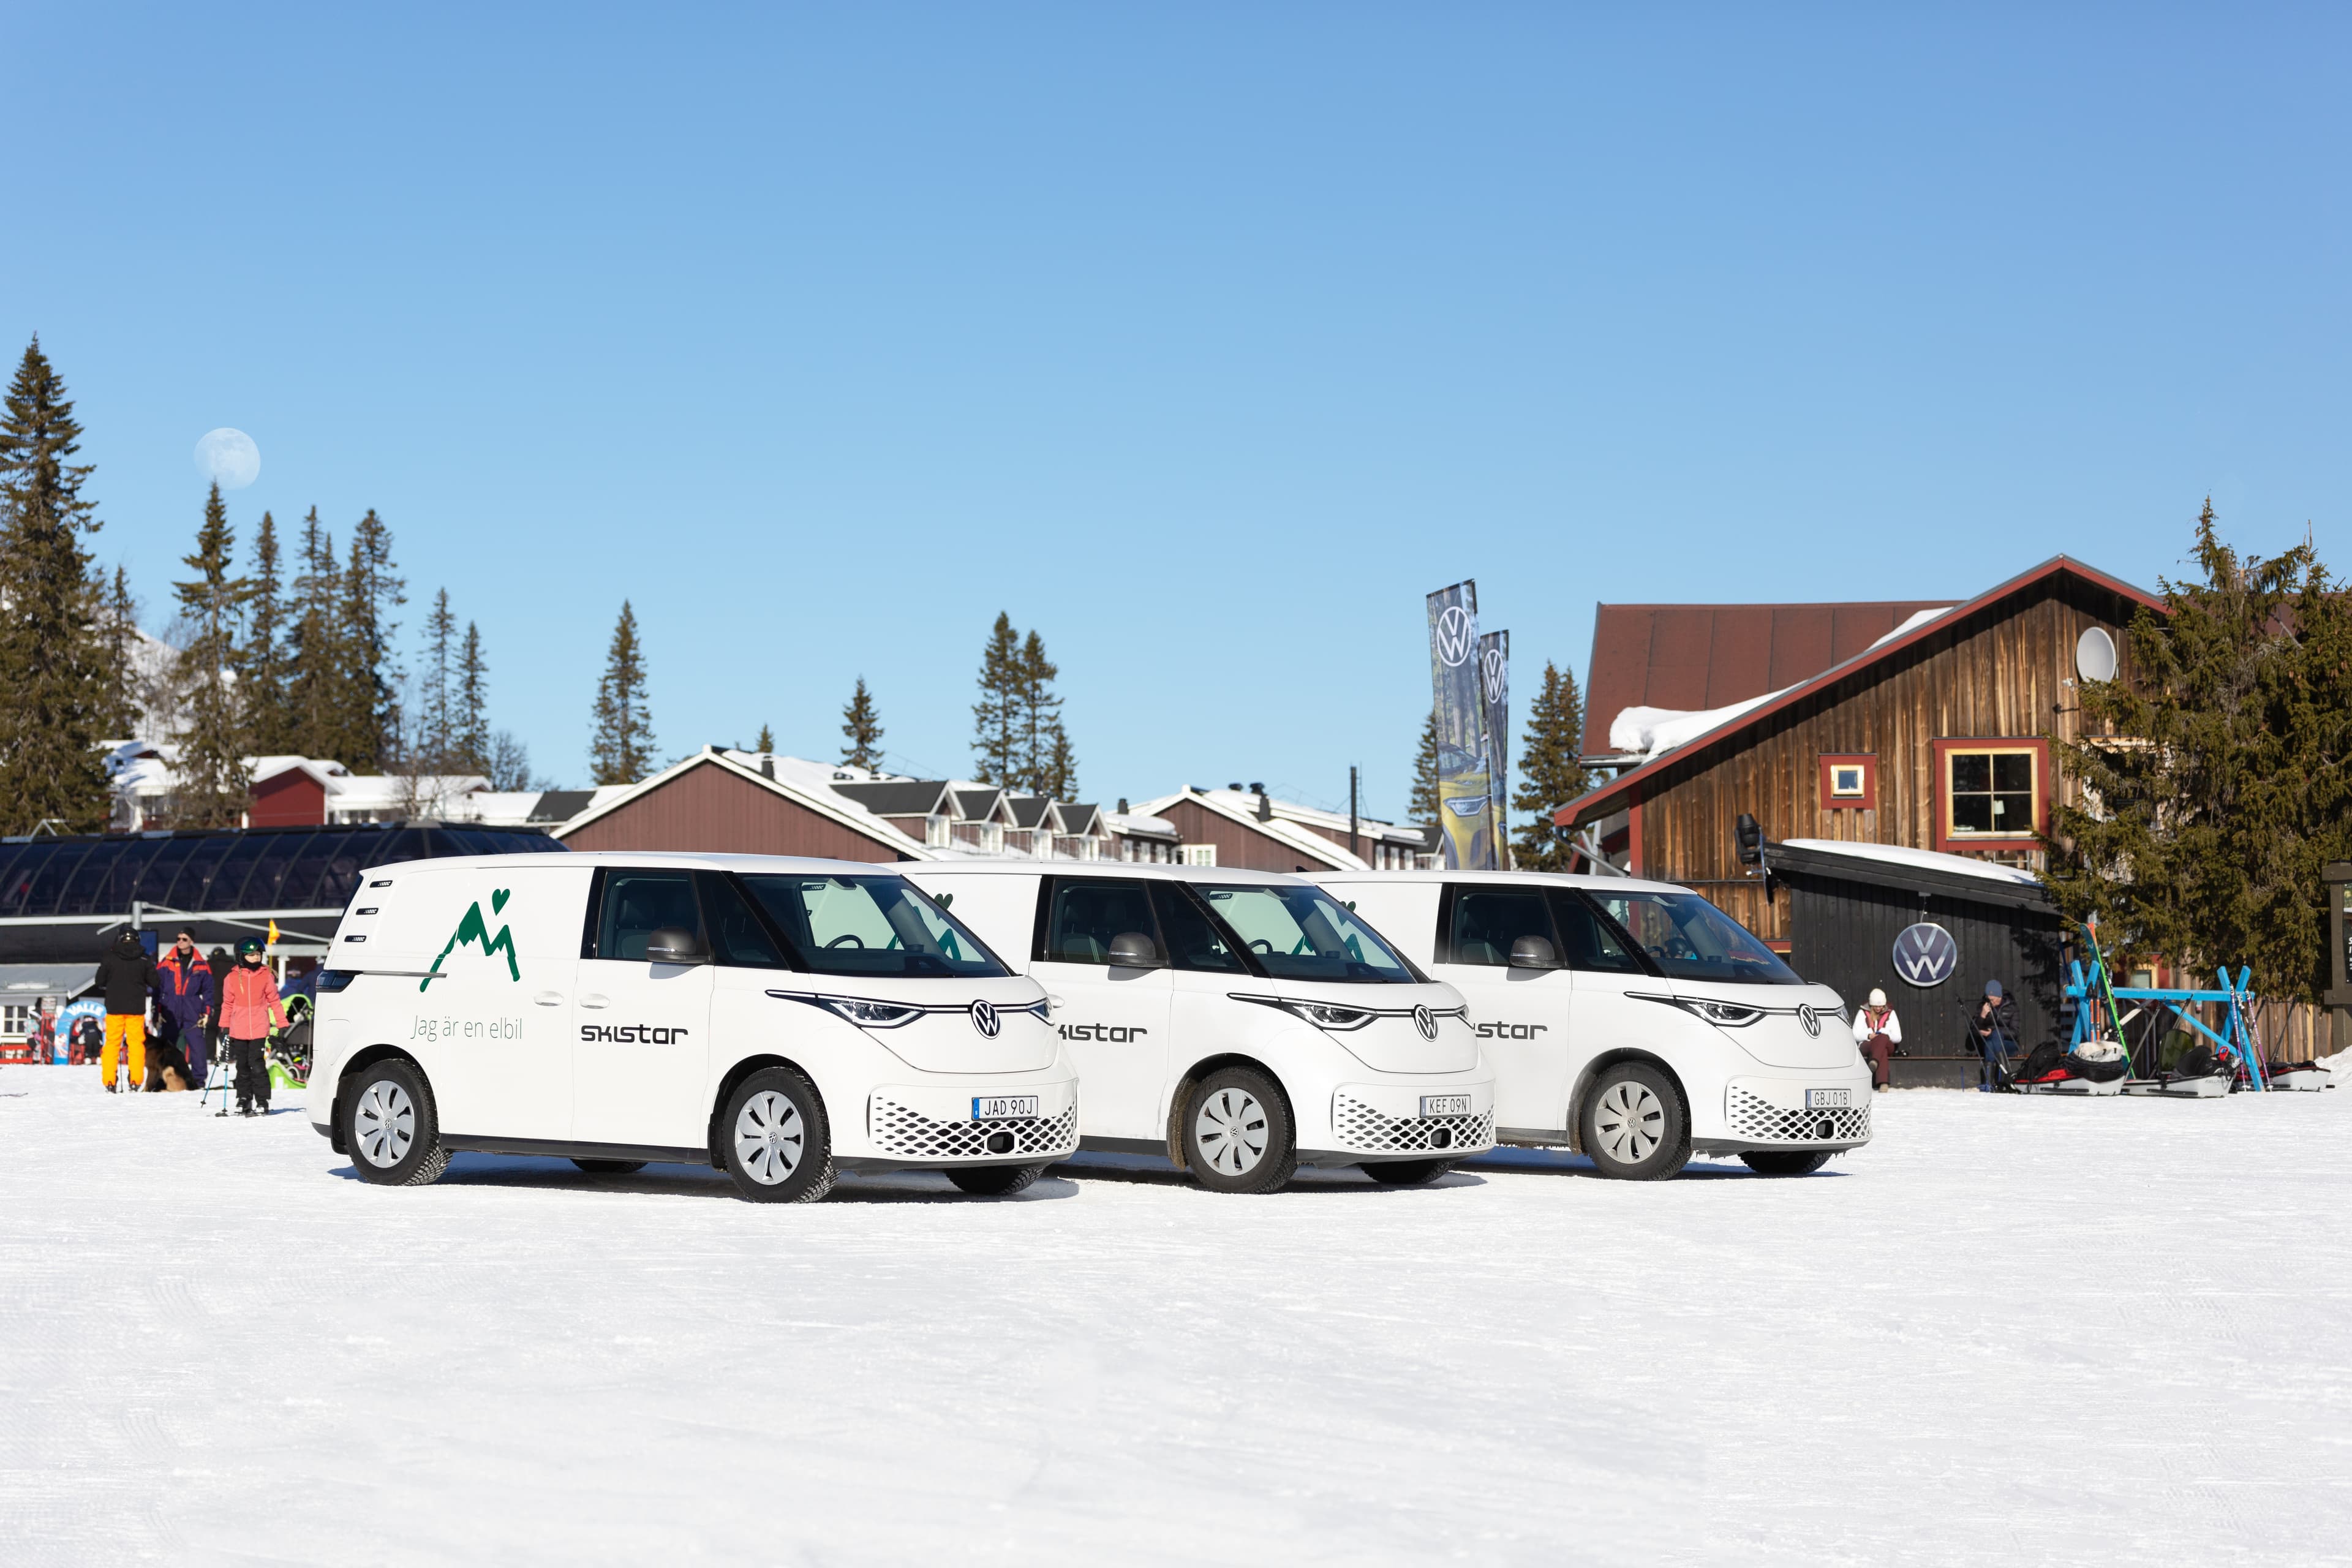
x=1729, y=1015
x=871, y=1014
x=1322, y=1015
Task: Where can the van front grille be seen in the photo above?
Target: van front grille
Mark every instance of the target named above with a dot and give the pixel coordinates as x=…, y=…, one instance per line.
x=906, y=1134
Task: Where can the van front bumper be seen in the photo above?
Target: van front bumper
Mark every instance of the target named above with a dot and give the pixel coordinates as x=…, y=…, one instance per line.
x=928, y=1125
x=1772, y=1113
x=1384, y=1120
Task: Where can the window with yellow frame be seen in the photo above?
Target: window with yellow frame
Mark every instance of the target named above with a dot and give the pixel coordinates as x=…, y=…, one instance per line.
x=1991, y=791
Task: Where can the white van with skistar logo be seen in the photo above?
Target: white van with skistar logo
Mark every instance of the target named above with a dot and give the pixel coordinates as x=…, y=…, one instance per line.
x=1632, y=1021
x=1239, y=1023
x=779, y=1019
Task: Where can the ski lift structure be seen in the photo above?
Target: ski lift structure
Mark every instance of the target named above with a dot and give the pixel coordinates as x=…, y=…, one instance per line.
x=2099, y=1007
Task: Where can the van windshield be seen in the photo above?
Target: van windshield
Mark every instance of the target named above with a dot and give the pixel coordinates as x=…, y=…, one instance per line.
x=870, y=925
x=1689, y=938
x=1303, y=933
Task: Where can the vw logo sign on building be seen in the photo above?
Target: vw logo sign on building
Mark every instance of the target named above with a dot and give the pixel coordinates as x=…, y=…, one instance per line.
x=1426, y=1022
x=1456, y=642
x=1926, y=954
x=984, y=1019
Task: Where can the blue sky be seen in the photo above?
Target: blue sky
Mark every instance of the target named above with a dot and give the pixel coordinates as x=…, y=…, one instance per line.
x=1206, y=339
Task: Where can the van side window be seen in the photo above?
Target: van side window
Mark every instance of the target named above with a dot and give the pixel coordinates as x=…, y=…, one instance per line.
x=737, y=935
x=1086, y=916
x=639, y=903
x=1586, y=943
x=1487, y=922
x=1194, y=942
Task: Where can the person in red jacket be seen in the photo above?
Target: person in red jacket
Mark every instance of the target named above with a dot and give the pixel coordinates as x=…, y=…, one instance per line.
x=248, y=1005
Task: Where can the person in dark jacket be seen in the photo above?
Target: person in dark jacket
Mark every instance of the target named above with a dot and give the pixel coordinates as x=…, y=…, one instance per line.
x=1995, y=1029
x=185, y=985
x=126, y=976
x=221, y=963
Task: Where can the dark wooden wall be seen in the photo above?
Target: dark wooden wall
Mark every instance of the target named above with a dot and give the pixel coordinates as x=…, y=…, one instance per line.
x=1237, y=846
x=1843, y=932
x=1998, y=674
x=708, y=810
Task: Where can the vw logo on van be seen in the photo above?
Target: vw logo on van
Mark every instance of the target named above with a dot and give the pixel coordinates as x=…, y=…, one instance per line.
x=1809, y=1018
x=984, y=1019
x=1426, y=1022
x=1455, y=643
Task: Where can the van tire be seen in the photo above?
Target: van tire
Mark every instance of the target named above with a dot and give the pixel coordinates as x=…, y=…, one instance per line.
x=388, y=1122
x=1249, y=1100
x=1405, y=1173
x=1785, y=1162
x=610, y=1167
x=1633, y=1125
x=782, y=1098
x=995, y=1181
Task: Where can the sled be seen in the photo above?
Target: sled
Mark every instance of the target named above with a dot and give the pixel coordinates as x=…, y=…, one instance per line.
x=2074, y=1086
x=2212, y=1087
x=2309, y=1077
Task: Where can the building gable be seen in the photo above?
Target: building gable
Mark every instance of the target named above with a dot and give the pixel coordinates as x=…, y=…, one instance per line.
x=710, y=807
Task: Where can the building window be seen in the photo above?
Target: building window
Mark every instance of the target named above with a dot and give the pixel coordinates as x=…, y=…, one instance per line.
x=1199, y=853
x=1849, y=781
x=16, y=1019
x=1992, y=794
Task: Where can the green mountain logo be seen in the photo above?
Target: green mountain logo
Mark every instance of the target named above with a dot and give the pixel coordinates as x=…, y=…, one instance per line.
x=474, y=928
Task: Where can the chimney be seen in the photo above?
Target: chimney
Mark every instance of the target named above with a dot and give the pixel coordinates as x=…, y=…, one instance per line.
x=1265, y=807
x=767, y=767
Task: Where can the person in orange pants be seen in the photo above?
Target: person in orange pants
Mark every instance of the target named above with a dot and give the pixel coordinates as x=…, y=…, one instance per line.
x=126, y=975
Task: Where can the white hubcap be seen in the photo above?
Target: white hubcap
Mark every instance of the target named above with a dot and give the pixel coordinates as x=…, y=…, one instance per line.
x=385, y=1124
x=1631, y=1122
x=1230, y=1132
x=770, y=1137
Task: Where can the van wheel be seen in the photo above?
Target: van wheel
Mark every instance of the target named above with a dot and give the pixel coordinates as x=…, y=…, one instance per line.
x=779, y=1145
x=1633, y=1125
x=1785, y=1162
x=610, y=1167
x=1237, y=1132
x=1405, y=1173
x=996, y=1181
x=390, y=1128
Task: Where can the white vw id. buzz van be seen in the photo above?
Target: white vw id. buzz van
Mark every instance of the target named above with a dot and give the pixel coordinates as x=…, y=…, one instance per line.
x=777, y=1018
x=1241, y=1023
x=1632, y=1021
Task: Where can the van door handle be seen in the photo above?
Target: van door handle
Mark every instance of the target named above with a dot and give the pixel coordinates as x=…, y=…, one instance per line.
x=549, y=998
x=590, y=999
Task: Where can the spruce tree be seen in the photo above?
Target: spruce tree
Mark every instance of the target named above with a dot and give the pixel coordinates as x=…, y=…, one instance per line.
x=766, y=743
x=211, y=776
x=54, y=698
x=861, y=723
x=1057, y=779
x=1424, y=806
x=437, y=725
x=623, y=749
x=120, y=714
x=1040, y=716
x=314, y=651
x=370, y=718
x=1550, y=774
x=261, y=689
x=2225, y=782
x=996, y=717
x=472, y=739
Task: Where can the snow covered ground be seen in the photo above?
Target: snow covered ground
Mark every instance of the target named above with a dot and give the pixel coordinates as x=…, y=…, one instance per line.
x=2011, y=1331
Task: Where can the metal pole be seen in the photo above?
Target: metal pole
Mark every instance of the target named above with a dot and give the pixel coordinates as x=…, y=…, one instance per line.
x=1353, y=847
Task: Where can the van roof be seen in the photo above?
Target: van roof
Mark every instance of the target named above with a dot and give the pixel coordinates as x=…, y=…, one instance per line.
x=1506, y=878
x=649, y=859
x=1226, y=874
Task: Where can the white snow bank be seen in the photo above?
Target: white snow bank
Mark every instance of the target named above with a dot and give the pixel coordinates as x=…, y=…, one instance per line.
x=1924, y=859
x=1916, y=619
x=1658, y=730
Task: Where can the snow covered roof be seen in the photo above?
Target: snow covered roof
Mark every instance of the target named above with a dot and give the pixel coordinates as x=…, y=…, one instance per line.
x=1315, y=816
x=806, y=784
x=1651, y=731
x=1922, y=859
x=1140, y=825
x=1913, y=870
x=1226, y=803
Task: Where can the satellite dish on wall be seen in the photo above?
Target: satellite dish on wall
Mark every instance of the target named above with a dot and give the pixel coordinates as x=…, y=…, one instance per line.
x=2095, y=654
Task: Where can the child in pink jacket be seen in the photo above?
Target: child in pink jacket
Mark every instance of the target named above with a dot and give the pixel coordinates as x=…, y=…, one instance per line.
x=248, y=1005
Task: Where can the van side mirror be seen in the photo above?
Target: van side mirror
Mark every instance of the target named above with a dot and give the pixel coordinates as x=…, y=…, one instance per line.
x=1534, y=953
x=676, y=944
x=1133, y=950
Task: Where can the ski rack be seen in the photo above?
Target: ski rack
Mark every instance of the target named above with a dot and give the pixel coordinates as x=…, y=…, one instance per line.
x=2236, y=998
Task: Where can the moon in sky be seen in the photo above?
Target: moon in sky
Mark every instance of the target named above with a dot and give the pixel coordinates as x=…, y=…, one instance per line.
x=229, y=458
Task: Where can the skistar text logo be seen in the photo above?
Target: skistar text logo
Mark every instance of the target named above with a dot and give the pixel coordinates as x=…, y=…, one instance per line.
x=474, y=928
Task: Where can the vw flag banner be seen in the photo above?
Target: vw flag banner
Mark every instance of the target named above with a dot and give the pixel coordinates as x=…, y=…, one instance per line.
x=1494, y=691
x=1466, y=815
